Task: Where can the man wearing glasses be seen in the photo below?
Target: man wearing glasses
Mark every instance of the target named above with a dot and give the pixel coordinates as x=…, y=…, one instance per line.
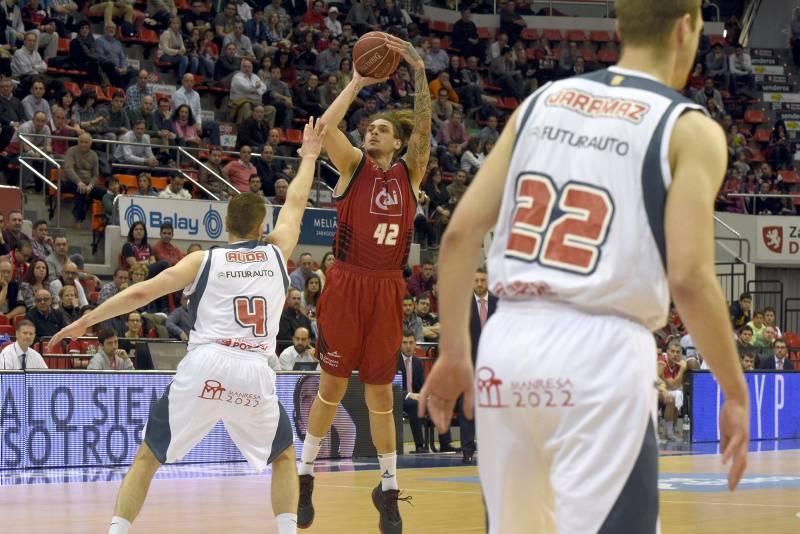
x=48, y=321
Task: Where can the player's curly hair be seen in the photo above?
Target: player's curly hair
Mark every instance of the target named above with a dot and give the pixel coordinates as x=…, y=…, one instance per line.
x=402, y=120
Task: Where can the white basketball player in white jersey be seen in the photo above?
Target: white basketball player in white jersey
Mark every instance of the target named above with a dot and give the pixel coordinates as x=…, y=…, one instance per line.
x=236, y=294
x=601, y=191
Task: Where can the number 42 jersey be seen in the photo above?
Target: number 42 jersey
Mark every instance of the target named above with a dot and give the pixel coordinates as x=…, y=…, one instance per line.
x=238, y=295
x=582, y=214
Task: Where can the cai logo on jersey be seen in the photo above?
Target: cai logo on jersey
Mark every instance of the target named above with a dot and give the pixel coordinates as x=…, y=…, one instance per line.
x=211, y=221
x=387, y=198
x=773, y=238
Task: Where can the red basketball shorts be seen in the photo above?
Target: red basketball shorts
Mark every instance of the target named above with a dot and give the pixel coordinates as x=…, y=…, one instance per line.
x=360, y=322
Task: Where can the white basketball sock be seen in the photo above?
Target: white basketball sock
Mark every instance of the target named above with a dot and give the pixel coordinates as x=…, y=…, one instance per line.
x=119, y=525
x=388, y=463
x=310, y=451
x=287, y=523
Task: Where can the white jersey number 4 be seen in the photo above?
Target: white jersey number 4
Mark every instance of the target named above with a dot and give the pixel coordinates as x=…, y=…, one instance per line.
x=571, y=241
x=251, y=312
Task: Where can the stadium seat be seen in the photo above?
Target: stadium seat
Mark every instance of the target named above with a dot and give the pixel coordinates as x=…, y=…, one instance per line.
x=529, y=34
x=789, y=177
x=73, y=88
x=7, y=329
x=294, y=137
x=159, y=182
x=599, y=37
x=755, y=116
x=588, y=54
x=762, y=135
x=439, y=26
x=607, y=56
x=576, y=35
x=128, y=180
x=75, y=345
x=552, y=35
x=717, y=40
x=63, y=46
x=484, y=33
x=18, y=319
x=4, y=321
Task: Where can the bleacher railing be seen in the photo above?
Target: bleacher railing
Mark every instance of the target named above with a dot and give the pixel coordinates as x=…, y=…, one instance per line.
x=182, y=156
x=606, y=7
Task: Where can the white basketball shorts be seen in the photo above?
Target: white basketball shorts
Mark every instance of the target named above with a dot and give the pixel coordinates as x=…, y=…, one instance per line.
x=565, y=404
x=215, y=383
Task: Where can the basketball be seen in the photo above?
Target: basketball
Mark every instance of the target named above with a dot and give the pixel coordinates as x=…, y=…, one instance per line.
x=372, y=58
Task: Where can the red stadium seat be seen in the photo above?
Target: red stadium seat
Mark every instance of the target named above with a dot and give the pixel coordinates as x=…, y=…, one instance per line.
x=73, y=88
x=18, y=319
x=762, y=135
x=588, y=54
x=4, y=321
x=607, y=56
x=552, y=35
x=755, y=116
x=789, y=177
x=439, y=26
x=529, y=34
x=75, y=345
x=576, y=35
x=294, y=137
x=599, y=37
x=717, y=40
x=484, y=33
x=7, y=329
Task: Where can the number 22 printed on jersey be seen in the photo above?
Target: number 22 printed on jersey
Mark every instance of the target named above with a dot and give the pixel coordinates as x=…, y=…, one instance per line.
x=562, y=229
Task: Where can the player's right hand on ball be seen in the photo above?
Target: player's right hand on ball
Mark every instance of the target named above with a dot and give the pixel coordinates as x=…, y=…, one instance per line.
x=313, y=133
x=364, y=81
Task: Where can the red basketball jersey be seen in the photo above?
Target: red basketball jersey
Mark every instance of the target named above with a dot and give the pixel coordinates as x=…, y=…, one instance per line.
x=375, y=217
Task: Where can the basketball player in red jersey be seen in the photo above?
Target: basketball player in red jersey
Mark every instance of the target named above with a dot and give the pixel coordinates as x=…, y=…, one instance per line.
x=360, y=311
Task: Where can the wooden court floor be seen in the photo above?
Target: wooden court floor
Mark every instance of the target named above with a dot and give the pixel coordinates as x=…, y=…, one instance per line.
x=446, y=501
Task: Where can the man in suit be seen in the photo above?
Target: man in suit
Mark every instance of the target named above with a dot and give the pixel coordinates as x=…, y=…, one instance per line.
x=779, y=361
x=483, y=306
x=408, y=363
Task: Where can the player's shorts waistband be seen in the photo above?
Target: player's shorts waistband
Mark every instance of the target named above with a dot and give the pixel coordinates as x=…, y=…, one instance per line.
x=553, y=310
x=222, y=347
x=363, y=271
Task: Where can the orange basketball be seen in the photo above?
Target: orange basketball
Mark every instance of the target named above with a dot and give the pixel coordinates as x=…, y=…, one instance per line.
x=372, y=58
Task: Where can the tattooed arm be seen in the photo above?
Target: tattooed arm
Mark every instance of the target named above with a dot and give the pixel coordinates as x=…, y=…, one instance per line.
x=419, y=145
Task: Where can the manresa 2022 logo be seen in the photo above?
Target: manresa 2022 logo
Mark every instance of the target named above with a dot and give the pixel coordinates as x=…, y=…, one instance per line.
x=211, y=223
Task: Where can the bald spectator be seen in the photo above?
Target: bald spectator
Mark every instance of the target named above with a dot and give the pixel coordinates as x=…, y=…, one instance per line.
x=253, y=131
x=187, y=95
x=137, y=91
x=247, y=90
x=70, y=278
x=81, y=170
x=293, y=317
x=27, y=62
x=115, y=60
x=47, y=320
x=300, y=351
x=62, y=128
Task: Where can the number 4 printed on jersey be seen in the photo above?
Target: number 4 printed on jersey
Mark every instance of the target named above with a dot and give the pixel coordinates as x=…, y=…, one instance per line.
x=571, y=240
x=251, y=312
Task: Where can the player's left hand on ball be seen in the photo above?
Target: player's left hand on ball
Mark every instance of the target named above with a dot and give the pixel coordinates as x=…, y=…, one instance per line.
x=448, y=380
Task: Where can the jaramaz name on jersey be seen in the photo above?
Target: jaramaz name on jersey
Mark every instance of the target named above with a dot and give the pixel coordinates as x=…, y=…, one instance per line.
x=593, y=106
